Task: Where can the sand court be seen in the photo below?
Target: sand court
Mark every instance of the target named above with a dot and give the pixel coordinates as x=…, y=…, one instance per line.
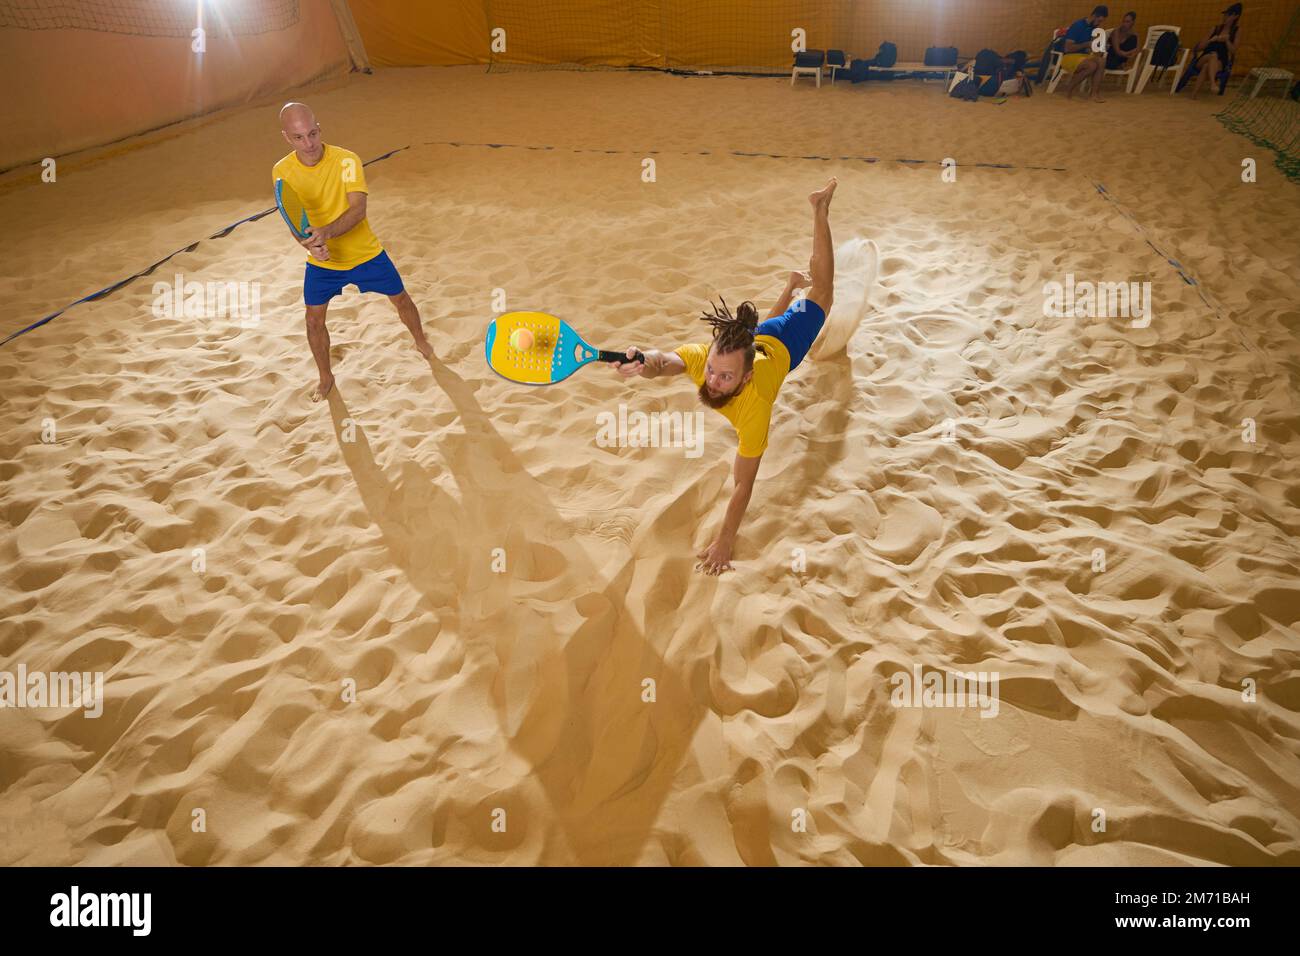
x=362, y=630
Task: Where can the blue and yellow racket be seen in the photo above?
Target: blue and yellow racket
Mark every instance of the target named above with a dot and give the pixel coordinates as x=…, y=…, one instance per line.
x=557, y=351
x=291, y=208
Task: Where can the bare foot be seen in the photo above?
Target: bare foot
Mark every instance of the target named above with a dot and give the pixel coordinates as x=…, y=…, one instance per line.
x=424, y=348
x=822, y=197
x=322, y=389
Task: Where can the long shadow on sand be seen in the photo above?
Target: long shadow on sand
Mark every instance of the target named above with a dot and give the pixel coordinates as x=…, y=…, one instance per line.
x=570, y=657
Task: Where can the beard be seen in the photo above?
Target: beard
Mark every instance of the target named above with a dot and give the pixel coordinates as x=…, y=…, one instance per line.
x=714, y=402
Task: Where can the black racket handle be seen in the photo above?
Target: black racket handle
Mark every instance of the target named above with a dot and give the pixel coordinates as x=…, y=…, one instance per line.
x=618, y=358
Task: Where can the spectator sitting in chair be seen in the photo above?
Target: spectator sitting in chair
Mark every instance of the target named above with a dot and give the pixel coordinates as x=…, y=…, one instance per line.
x=1214, y=54
x=1123, y=44
x=1077, y=55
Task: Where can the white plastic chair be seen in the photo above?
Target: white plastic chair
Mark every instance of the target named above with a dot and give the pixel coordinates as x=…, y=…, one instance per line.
x=836, y=60
x=1262, y=74
x=1131, y=72
x=815, y=71
x=1054, y=70
x=1148, y=50
x=1053, y=66
x=1054, y=60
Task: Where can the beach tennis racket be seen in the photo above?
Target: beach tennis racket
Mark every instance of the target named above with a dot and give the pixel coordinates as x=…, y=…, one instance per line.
x=556, y=353
x=291, y=208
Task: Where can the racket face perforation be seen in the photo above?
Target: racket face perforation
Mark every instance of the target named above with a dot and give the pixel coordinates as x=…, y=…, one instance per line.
x=549, y=360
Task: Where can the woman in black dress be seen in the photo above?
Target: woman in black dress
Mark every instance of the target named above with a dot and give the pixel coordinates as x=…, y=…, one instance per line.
x=1213, y=54
x=1122, y=46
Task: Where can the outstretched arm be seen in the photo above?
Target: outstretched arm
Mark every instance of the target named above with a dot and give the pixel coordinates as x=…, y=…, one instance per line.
x=716, y=558
x=656, y=363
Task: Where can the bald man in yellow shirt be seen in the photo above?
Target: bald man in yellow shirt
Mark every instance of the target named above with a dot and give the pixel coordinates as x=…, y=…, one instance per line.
x=341, y=248
x=739, y=373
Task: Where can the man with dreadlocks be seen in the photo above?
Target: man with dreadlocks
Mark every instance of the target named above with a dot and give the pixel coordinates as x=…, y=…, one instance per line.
x=740, y=372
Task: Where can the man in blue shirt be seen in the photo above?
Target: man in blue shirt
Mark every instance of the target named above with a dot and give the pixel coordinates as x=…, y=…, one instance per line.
x=1079, y=59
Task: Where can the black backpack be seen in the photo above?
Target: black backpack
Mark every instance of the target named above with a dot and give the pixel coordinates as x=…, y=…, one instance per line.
x=941, y=56
x=887, y=55
x=1166, y=51
x=967, y=89
x=987, y=62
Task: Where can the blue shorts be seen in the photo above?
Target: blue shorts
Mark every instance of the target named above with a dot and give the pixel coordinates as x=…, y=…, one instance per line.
x=377, y=274
x=797, y=328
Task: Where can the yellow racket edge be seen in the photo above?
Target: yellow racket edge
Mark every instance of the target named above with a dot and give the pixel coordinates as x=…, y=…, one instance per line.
x=532, y=366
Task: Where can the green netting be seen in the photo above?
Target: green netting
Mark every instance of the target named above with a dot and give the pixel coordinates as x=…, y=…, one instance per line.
x=1269, y=115
x=151, y=18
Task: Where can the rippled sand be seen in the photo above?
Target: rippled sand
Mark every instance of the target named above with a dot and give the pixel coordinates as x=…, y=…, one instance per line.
x=949, y=479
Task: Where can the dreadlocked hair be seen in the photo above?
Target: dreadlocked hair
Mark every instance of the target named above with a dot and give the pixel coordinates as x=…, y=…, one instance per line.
x=733, y=333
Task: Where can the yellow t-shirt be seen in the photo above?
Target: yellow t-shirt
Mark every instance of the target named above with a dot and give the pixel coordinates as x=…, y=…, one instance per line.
x=749, y=411
x=324, y=189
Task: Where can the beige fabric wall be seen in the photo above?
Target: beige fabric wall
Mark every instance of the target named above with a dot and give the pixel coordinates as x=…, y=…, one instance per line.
x=69, y=89
x=692, y=34
x=407, y=33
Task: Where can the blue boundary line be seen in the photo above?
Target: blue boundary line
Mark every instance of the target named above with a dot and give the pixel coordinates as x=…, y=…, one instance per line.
x=1183, y=273
x=108, y=290
x=738, y=152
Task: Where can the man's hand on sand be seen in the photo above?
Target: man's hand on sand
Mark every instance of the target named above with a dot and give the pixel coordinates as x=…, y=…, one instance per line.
x=800, y=280
x=715, y=559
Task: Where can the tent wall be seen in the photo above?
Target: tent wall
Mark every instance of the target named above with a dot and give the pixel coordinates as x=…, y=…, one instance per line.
x=405, y=33
x=701, y=34
x=69, y=89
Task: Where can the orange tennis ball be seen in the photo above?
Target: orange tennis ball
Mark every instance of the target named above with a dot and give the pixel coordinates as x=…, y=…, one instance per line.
x=521, y=339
